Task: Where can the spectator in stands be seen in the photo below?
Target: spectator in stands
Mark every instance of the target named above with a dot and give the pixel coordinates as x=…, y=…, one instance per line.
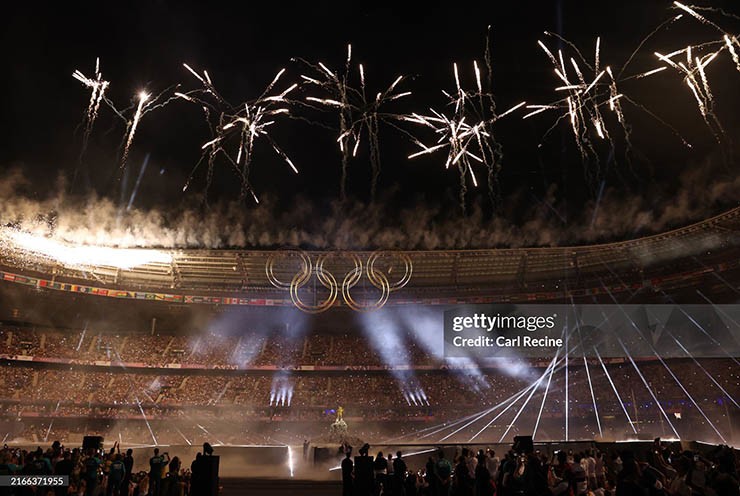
x=600, y=469
x=142, y=485
x=411, y=484
x=628, y=479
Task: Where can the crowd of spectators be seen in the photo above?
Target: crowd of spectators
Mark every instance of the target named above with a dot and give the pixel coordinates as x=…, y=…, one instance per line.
x=207, y=348
x=30, y=391
x=664, y=470
x=690, y=393
x=95, y=472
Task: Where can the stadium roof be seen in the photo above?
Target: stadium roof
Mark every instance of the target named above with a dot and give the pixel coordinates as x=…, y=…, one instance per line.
x=707, y=246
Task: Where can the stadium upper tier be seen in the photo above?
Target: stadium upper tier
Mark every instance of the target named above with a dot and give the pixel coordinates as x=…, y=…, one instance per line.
x=668, y=260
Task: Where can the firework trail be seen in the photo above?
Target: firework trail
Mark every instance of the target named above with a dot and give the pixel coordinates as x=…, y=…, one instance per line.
x=360, y=113
x=143, y=97
x=693, y=69
x=98, y=87
x=590, y=102
x=590, y=91
x=146, y=103
x=244, y=124
x=465, y=131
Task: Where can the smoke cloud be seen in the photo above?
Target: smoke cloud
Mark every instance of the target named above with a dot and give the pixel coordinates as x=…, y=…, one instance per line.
x=98, y=220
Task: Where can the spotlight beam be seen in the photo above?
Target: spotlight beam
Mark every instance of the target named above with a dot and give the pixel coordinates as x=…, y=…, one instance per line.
x=526, y=402
x=435, y=429
x=511, y=400
x=532, y=386
x=710, y=376
x=698, y=326
x=637, y=369
x=542, y=405
x=647, y=386
x=593, y=396
x=701, y=411
x=588, y=372
x=146, y=420
x=616, y=393
x=655, y=353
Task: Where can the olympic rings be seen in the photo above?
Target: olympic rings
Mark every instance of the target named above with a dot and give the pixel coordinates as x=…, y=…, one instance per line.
x=378, y=280
x=376, y=277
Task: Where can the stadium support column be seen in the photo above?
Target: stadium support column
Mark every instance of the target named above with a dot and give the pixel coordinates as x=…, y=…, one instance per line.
x=154, y=325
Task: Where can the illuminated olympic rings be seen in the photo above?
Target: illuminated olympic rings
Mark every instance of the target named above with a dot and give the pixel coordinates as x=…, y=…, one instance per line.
x=308, y=268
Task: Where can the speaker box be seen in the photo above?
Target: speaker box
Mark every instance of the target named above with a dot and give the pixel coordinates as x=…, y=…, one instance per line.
x=94, y=442
x=364, y=475
x=206, y=481
x=523, y=444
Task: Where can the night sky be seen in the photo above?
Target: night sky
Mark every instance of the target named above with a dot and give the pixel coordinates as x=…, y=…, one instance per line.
x=143, y=44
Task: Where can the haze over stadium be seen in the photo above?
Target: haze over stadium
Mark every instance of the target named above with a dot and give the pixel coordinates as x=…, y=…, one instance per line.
x=247, y=226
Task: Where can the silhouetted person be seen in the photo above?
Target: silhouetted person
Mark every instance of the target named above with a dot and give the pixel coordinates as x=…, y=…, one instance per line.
x=410, y=484
x=463, y=484
x=173, y=478
x=156, y=466
x=483, y=482
x=431, y=476
x=380, y=467
x=116, y=474
x=443, y=472
x=128, y=464
x=364, y=474
x=196, y=475
x=347, y=469
x=398, y=480
x=63, y=467
x=92, y=463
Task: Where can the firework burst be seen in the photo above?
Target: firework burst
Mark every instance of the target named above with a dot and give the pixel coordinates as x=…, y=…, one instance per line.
x=98, y=86
x=465, y=131
x=241, y=126
x=590, y=92
x=360, y=112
